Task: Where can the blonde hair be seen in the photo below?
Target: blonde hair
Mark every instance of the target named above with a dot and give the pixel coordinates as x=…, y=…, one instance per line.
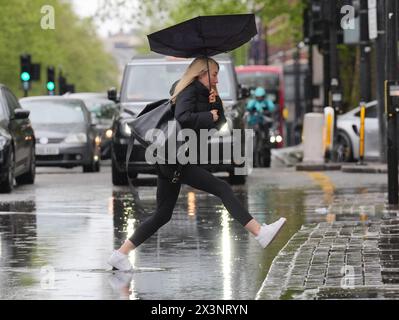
x=197, y=68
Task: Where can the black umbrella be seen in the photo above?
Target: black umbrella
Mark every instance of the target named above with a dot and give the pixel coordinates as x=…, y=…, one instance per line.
x=204, y=36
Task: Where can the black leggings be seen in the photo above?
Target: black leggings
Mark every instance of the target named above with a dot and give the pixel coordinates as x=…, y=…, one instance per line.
x=167, y=194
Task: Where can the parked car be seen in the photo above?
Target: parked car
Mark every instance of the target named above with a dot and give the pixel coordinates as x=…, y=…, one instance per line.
x=66, y=136
x=348, y=126
x=102, y=111
x=149, y=78
x=17, y=143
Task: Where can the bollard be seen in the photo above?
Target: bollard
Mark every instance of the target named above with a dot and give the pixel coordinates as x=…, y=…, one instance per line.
x=362, y=132
x=313, y=148
x=328, y=131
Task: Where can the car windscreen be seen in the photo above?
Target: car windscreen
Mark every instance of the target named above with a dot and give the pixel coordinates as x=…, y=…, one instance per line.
x=151, y=82
x=102, y=109
x=3, y=115
x=268, y=81
x=53, y=112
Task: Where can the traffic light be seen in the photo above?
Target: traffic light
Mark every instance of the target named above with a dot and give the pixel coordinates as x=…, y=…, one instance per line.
x=26, y=70
x=50, y=85
x=316, y=20
x=65, y=87
x=29, y=72
x=61, y=84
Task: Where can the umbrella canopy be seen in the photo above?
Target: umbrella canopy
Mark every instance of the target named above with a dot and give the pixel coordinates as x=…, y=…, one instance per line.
x=204, y=36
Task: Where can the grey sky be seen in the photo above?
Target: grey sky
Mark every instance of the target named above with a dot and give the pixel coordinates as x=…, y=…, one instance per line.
x=87, y=8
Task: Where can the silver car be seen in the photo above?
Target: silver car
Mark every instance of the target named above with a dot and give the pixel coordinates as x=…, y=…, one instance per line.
x=65, y=134
x=102, y=111
x=348, y=135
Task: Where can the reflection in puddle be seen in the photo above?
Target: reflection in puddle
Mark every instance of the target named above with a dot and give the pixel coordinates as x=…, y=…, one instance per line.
x=17, y=206
x=202, y=253
x=226, y=256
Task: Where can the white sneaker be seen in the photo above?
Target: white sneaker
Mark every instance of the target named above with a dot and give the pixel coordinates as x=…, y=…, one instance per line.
x=119, y=261
x=269, y=231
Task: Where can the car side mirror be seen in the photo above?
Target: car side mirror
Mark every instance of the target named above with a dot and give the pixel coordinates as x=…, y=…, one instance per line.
x=112, y=94
x=20, y=114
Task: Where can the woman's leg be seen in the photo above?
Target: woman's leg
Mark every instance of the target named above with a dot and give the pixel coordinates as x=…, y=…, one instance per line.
x=167, y=194
x=201, y=179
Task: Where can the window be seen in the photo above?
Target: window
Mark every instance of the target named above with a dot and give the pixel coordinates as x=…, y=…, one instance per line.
x=371, y=112
x=54, y=112
x=3, y=113
x=153, y=82
x=12, y=102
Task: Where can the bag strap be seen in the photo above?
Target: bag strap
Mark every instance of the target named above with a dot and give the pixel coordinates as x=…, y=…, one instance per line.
x=137, y=201
x=136, y=196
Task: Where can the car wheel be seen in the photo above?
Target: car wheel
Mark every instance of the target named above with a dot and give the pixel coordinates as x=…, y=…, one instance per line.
x=93, y=166
x=97, y=166
x=29, y=177
x=237, y=179
x=8, y=184
x=344, y=147
x=118, y=178
x=88, y=168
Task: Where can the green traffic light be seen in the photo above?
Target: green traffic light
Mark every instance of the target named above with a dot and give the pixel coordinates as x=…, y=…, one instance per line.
x=25, y=76
x=50, y=86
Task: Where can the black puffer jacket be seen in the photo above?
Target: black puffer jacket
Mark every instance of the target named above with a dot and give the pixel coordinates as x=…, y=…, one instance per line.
x=192, y=108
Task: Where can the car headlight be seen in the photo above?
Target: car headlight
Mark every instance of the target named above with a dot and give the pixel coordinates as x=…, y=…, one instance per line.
x=76, y=138
x=126, y=129
x=109, y=133
x=97, y=140
x=272, y=139
x=3, y=142
x=279, y=139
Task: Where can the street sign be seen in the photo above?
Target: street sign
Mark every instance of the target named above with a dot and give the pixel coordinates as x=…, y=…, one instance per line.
x=373, y=28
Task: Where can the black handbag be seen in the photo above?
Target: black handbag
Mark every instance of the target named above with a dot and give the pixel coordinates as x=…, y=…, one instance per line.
x=157, y=115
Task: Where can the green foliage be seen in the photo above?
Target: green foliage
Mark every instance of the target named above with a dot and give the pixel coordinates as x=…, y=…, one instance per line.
x=291, y=31
x=267, y=10
x=73, y=46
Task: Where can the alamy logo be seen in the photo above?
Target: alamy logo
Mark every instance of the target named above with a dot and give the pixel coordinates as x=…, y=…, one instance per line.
x=348, y=21
x=186, y=147
x=48, y=20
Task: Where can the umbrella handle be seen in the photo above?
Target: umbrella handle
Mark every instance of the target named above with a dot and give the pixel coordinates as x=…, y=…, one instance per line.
x=209, y=76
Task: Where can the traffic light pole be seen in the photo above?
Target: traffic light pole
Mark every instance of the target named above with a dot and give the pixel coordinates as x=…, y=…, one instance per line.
x=365, y=51
x=381, y=76
x=335, y=96
x=392, y=106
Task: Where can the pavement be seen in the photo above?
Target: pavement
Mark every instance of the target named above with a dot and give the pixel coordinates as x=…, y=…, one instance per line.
x=370, y=167
x=353, y=254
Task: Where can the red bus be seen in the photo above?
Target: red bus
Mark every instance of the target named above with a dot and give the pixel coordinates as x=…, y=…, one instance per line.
x=271, y=78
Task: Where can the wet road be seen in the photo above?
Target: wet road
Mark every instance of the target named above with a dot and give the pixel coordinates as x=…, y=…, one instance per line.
x=56, y=235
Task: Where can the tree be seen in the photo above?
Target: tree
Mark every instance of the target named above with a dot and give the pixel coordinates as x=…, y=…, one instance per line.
x=157, y=14
x=73, y=46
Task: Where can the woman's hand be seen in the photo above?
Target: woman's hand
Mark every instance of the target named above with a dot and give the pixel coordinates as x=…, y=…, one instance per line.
x=212, y=96
x=215, y=115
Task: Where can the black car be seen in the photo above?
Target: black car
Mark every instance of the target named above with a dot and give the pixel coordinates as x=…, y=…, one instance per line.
x=66, y=136
x=17, y=143
x=102, y=111
x=149, y=78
